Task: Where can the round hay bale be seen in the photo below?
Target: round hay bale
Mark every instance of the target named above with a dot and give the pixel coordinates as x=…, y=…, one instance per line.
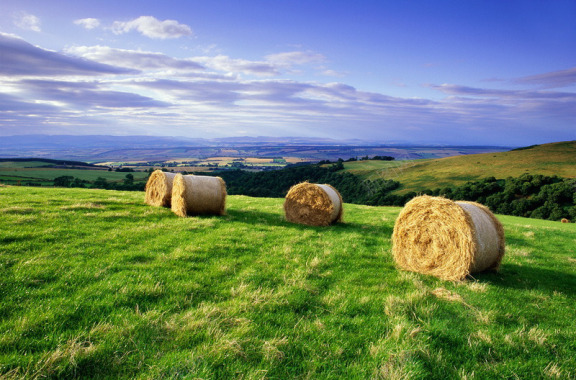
x=198, y=195
x=564, y=220
x=159, y=188
x=447, y=239
x=313, y=204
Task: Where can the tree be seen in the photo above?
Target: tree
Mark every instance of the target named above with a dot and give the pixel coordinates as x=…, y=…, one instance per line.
x=129, y=180
x=78, y=183
x=63, y=181
x=100, y=183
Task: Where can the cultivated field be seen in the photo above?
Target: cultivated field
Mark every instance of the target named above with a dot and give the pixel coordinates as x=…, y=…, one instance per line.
x=97, y=284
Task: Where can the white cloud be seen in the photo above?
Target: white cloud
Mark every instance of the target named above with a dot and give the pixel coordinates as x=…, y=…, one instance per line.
x=88, y=23
x=87, y=95
x=27, y=21
x=20, y=58
x=153, y=28
x=133, y=59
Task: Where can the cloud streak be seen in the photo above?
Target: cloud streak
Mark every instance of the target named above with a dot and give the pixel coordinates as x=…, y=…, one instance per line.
x=134, y=59
x=19, y=58
x=554, y=79
x=510, y=94
x=239, y=66
x=85, y=95
x=295, y=58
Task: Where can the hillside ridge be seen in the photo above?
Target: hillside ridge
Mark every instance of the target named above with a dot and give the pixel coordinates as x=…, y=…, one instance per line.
x=551, y=159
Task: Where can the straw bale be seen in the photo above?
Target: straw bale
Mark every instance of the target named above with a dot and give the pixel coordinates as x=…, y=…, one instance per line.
x=447, y=239
x=313, y=204
x=564, y=220
x=159, y=188
x=198, y=195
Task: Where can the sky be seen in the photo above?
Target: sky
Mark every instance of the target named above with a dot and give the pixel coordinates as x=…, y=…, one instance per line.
x=471, y=72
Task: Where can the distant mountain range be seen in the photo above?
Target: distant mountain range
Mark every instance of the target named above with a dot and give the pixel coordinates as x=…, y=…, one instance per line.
x=96, y=148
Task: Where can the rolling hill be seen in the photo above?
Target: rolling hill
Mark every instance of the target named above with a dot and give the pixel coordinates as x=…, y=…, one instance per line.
x=416, y=175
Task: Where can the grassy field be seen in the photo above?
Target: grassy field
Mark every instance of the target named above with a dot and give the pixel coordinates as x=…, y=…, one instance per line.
x=375, y=169
x=21, y=164
x=97, y=284
x=46, y=175
x=416, y=175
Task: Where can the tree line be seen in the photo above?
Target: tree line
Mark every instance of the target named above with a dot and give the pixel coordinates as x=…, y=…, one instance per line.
x=127, y=183
x=533, y=196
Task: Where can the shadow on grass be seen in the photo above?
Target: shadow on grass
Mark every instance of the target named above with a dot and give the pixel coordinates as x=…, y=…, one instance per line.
x=526, y=277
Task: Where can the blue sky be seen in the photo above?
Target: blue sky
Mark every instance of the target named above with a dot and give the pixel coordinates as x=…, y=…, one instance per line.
x=451, y=72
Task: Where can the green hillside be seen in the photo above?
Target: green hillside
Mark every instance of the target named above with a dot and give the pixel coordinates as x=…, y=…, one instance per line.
x=548, y=159
x=96, y=284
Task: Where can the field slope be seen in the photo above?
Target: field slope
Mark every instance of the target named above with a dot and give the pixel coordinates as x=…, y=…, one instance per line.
x=97, y=284
x=416, y=175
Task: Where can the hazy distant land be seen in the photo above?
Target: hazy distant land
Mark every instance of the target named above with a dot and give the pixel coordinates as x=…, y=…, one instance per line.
x=125, y=148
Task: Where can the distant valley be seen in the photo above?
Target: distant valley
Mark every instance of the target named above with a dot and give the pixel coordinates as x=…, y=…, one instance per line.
x=535, y=181
x=97, y=149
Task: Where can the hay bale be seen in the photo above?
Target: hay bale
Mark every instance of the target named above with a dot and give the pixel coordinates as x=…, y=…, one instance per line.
x=313, y=204
x=564, y=220
x=198, y=195
x=159, y=188
x=447, y=239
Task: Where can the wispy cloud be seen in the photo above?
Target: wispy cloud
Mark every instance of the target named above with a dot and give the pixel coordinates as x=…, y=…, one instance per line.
x=331, y=73
x=238, y=66
x=554, y=79
x=272, y=65
x=133, y=59
x=496, y=93
x=27, y=21
x=513, y=106
x=19, y=58
x=86, y=94
x=295, y=58
x=151, y=27
x=88, y=23
x=217, y=95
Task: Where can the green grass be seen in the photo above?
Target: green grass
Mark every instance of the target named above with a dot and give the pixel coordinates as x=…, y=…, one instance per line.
x=417, y=175
x=22, y=164
x=46, y=175
x=374, y=169
x=97, y=284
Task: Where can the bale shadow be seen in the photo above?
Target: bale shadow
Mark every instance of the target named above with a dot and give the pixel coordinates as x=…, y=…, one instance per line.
x=525, y=277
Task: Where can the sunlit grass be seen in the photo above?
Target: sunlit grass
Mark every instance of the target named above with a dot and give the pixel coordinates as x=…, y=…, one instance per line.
x=418, y=175
x=98, y=284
